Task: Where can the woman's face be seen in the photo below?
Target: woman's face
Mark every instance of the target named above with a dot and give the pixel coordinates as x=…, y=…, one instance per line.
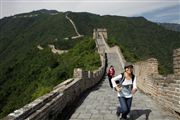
x=129, y=70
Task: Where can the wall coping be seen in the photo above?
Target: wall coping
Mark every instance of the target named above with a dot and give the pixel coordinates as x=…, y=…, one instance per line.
x=32, y=109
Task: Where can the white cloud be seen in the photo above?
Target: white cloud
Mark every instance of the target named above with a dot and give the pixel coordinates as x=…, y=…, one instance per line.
x=175, y=21
x=166, y=14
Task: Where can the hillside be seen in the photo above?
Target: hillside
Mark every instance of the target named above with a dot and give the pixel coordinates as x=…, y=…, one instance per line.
x=171, y=26
x=138, y=38
x=27, y=72
x=37, y=72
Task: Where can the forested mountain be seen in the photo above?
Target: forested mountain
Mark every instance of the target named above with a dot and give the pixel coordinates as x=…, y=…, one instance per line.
x=138, y=38
x=171, y=26
x=27, y=72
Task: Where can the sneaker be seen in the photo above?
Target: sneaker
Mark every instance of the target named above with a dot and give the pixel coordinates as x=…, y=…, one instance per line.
x=128, y=116
x=123, y=119
x=118, y=113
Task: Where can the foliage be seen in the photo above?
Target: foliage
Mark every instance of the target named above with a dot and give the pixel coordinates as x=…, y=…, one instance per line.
x=37, y=72
x=139, y=38
x=27, y=72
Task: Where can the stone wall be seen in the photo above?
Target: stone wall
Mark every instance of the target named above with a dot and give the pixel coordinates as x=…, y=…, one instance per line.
x=98, y=31
x=176, y=62
x=166, y=90
x=118, y=51
x=50, y=105
x=103, y=34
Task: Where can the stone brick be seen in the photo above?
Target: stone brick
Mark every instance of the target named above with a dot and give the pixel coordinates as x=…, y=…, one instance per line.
x=54, y=102
x=165, y=89
x=84, y=116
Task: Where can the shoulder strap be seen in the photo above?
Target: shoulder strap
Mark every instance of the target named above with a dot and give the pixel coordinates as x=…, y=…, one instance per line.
x=122, y=78
x=133, y=76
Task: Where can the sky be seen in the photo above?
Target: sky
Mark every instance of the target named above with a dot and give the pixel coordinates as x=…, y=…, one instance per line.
x=154, y=10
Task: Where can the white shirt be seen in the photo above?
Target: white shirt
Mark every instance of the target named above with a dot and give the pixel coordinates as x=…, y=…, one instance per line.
x=126, y=82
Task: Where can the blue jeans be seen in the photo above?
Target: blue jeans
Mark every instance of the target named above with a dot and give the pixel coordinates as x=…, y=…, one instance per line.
x=125, y=104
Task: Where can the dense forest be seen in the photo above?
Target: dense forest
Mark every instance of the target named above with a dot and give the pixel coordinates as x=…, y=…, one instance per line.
x=38, y=71
x=138, y=38
x=27, y=72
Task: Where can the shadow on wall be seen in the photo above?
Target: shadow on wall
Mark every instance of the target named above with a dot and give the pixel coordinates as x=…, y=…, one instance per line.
x=135, y=114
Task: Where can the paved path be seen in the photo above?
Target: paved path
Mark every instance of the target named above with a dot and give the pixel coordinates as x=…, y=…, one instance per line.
x=101, y=102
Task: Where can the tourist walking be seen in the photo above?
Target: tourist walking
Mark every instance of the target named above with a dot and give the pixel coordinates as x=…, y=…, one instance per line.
x=125, y=85
x=111, y=73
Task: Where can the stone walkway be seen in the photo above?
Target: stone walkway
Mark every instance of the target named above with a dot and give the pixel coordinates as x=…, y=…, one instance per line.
x=101, y=102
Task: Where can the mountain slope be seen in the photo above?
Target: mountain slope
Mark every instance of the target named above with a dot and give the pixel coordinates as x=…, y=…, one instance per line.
x=37, y=72
x=27, y=72
x=139, y=38
x=171, y=26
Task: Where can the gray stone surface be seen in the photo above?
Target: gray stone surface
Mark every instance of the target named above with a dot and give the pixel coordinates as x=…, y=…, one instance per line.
x=101, y=102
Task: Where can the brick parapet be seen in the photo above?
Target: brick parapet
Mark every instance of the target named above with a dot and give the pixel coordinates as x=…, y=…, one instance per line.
x=164, y=89
x=176, y=62
x=51, y=104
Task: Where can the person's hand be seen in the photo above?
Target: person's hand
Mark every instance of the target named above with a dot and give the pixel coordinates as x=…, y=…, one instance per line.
x=118, y=88
x=133, y=91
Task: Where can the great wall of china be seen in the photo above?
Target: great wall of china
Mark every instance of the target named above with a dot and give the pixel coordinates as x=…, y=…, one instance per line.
x=164, y=90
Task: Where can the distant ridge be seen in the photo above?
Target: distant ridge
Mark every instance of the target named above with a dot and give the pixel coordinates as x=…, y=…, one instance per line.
x=171, y=26
x=27, y=61
x=41, y=11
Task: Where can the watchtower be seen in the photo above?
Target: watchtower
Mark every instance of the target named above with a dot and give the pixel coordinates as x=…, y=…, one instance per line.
x=100, y=31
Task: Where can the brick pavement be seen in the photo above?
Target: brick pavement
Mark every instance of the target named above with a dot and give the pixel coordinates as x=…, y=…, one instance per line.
x=101, y=102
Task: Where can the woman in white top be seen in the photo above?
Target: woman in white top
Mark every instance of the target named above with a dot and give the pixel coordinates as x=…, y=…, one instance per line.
x=125, y=85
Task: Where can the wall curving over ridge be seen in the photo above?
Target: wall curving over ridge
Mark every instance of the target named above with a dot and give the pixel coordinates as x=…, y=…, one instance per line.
x=50, y=105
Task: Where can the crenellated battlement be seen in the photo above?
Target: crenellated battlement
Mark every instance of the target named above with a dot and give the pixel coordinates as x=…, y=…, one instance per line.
x=176, y=62
x=166, y=90
x=98, y=31
x=50, y=105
